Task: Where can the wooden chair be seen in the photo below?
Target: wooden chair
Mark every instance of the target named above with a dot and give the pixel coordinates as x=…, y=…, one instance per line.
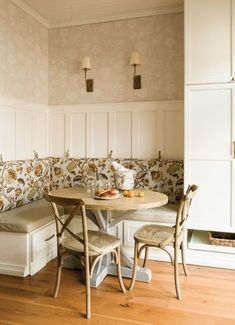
x=89, y=246
x=163, y=236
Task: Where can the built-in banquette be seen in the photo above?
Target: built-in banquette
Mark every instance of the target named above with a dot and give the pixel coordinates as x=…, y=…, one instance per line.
x=27, y=229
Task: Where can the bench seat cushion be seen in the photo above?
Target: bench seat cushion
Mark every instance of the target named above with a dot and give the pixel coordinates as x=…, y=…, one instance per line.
x=27, y=218
x=165, y=214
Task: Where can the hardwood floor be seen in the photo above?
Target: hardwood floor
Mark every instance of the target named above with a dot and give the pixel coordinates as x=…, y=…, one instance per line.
x=208, y=298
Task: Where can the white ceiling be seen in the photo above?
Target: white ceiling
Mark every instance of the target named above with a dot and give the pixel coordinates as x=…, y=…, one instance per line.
x=58, y=13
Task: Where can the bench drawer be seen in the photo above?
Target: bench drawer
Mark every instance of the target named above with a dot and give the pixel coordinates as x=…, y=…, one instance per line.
x=42, y=241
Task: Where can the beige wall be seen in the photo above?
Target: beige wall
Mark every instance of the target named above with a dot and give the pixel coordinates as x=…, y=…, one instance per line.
x=23, y=55
x=159, y=39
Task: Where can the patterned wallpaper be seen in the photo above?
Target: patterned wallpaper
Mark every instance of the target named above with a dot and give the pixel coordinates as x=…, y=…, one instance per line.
x=159, y=39
x=24, y=59
x=23, y=55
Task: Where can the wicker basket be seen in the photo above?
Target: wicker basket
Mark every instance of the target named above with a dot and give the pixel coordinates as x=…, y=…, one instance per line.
x=222, y=238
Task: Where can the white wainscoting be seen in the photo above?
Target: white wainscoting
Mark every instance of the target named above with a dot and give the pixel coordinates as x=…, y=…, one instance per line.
x=23, y=129
x=130, y=130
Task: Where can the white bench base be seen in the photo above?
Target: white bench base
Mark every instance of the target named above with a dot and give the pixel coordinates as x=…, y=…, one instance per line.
x=23, y=254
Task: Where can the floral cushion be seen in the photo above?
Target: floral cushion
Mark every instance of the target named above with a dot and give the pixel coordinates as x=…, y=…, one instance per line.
x=23, y=181
x=165, y=176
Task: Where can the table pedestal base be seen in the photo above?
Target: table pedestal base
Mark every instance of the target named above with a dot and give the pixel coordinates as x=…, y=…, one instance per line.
x=143, y=274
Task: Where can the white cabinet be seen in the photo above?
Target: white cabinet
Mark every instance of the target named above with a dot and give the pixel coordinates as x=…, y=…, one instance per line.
x=210, y=125
x=209, y=50
x=24, y=254
x=209, y=155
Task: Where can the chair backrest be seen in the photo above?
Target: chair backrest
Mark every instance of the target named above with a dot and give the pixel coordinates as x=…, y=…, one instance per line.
x=62, y=224
x=183, y=211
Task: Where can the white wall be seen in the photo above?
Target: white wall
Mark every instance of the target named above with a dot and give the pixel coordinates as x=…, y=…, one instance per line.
x=23, y=129
x=130, y=130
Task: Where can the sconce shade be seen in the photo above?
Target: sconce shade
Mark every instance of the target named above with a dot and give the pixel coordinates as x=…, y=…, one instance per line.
x=135, y=58
x=86, y=63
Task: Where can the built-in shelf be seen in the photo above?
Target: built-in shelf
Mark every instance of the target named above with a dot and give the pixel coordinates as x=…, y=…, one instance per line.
x=199, y=240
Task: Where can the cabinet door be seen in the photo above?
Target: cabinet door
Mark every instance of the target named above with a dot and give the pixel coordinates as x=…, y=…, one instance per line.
x=209, y=155
x=207, y=41
x=211, y=208
x=233, y=40
x=209, y=113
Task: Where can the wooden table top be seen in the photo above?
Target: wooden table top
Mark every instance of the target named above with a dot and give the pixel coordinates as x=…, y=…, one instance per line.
x=151, y=199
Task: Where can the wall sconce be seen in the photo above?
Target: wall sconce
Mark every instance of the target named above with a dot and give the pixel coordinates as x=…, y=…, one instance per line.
x=135, y=60
x=86, y=65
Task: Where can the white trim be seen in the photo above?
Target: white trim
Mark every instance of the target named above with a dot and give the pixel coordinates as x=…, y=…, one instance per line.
x=22, y=103
x=15, y=270
x=118, y=107
x=31, y=12
x=201, y=258
x=161, y=10
x=129, y=15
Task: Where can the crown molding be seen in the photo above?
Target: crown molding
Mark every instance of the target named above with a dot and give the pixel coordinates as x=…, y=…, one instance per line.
x=130, y=15
x=31, y=12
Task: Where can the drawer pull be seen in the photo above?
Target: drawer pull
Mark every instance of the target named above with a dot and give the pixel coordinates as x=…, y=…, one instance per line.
x=49, y=238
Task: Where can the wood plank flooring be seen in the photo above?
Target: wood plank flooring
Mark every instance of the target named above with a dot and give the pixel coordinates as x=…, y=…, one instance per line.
x=208, y=298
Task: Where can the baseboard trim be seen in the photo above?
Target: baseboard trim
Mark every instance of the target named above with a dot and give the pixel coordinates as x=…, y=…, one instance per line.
x=194, y=257
x=15, y=270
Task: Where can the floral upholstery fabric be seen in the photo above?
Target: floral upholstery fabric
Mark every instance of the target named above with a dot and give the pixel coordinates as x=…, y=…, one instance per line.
x=75, y=172
x=23, y=181
x=164, y=176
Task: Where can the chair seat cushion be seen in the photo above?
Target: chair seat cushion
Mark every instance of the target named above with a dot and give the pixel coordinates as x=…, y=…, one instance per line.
x=155, y=235
x=27, y=218
x=165, y=214
x=99, y=243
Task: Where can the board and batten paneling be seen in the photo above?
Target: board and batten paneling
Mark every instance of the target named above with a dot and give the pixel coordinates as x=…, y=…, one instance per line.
x=23, y=129
x=130, y=130
x=100, y=136
x=57, y=133
x=77, y=123
x=23, y=133
x=7, y=132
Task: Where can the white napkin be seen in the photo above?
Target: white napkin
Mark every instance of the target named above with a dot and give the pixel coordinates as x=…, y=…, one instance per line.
x=124, y=177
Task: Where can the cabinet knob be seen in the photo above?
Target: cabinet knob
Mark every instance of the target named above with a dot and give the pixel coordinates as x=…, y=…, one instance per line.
x=233, y=79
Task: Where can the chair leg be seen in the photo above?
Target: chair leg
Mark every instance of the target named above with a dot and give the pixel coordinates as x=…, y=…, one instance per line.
x=88, y=289
x=145, y=256
x=182, y=248
x=176, y=275
x=58, y=275
x=119, y=272
x=135, y=263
